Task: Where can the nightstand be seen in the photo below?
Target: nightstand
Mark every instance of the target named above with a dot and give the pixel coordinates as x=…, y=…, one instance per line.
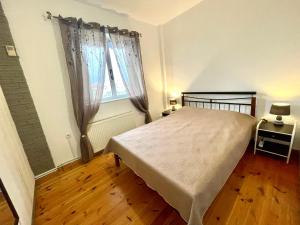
x=274, y=139
x=167, y=112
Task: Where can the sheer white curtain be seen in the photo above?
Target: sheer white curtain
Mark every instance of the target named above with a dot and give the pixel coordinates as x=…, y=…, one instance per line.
x=126, y=47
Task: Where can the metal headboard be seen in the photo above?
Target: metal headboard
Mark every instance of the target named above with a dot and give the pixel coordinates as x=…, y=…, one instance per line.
x=244, y=102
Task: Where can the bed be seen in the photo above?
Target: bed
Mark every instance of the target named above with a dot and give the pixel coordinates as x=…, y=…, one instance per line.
x=188, y=156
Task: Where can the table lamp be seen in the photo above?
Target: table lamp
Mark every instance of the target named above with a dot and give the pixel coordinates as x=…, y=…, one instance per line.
x=173, y=102
x=280, y=109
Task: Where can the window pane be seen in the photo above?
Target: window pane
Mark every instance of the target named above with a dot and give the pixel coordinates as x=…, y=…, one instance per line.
x=107, y=93
x=120, y=88
x=91, y=53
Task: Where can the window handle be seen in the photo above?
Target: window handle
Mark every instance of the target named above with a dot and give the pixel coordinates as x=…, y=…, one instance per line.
x=111, y=74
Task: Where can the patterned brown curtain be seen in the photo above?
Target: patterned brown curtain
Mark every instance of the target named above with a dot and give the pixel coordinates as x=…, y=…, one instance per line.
x=85, y=49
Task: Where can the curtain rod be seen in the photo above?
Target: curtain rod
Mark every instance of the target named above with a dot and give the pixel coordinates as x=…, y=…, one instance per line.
x=49, y=16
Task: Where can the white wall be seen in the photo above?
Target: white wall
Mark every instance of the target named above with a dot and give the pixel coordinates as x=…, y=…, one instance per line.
x=15, y=171
x=237, y=45
x=41, y=55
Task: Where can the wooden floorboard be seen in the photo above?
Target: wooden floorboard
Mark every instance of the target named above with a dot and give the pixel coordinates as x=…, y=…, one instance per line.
x=6, y=216
x=262, y=190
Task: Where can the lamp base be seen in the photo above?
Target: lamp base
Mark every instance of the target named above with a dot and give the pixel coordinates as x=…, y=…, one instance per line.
x=173, y=108
x=278, y=121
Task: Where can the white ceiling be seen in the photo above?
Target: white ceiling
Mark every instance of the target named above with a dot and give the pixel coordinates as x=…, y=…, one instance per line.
x=155, y=12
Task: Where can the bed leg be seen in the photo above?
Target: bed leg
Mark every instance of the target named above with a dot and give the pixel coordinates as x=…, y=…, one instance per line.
x=117, y=160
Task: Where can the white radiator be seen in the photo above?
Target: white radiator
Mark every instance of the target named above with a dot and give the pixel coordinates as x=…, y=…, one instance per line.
x=101, y=131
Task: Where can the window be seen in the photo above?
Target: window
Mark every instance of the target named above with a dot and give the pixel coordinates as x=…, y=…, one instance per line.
x=93, y=67
x=113, y=85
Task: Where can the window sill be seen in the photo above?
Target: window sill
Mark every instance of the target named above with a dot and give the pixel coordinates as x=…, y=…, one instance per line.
x=114, y=99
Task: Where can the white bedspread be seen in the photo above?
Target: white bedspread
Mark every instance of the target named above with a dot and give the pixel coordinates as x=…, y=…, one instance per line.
x=187, y=156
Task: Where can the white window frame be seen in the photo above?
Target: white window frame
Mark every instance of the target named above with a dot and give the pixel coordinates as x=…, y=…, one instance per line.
x=114, y=96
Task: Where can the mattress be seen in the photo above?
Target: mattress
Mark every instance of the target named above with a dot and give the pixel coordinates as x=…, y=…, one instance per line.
x=186, y=157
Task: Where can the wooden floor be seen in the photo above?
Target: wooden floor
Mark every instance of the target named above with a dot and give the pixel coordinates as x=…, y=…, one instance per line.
x=262, y=190
x=6, y=216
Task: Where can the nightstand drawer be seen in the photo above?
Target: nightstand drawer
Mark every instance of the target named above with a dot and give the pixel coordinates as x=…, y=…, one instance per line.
x=282, y=137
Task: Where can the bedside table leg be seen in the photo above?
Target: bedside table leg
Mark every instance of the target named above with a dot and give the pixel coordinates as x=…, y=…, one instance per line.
x=255, y=142
x=291, y=143
x=256, y=136
x=289, y=154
